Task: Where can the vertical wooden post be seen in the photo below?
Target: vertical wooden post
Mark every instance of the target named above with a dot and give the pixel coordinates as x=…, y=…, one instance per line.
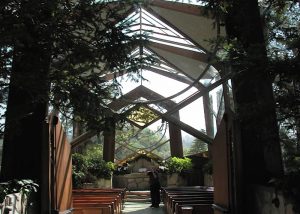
x=109, y=141
x=45, y=166
x=208, y=114
x=175, y=139
x=221, y=164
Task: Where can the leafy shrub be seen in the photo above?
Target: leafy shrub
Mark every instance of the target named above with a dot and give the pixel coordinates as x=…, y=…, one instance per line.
x=177, y=165
x=89, y=168
x=79, y=169
x=99, y=168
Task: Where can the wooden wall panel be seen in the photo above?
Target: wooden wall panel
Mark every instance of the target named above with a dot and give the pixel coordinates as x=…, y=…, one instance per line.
x=63, y=170
x=221, y=167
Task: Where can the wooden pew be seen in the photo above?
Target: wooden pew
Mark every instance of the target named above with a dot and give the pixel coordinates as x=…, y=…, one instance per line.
x=188, y=189
x=95, y=201
x=114, y=202
x=87, y=208
x=186, y=201
x=98, y=205
x=196, y=208
x=170, y=198
x=199, y=198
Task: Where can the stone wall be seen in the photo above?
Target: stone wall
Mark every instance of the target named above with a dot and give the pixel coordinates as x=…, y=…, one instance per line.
x=140, y=181
x=174, y=180
x=142, y=163
x=133, y=181
x=100, y=183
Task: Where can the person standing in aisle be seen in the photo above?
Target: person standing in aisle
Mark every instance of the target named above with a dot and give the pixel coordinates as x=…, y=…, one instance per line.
x=154, y=188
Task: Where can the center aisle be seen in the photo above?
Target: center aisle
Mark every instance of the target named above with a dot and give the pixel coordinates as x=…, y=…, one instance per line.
x=142, y=208
x=138, y=202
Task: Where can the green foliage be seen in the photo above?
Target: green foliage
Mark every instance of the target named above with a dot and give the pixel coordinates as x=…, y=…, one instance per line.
x=90, y=166
x=93, y=150
x=198, y=146
x=80, y=42
x=177, y=165
x=79, y=169
x=99, y=168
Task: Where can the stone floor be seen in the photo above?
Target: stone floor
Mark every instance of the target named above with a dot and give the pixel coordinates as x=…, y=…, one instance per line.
x=141, y=208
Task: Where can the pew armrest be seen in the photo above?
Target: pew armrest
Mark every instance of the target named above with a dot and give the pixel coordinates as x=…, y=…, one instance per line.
x=187, y=210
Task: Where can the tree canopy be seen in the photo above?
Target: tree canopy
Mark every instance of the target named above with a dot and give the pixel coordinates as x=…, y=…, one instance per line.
x=83, y=40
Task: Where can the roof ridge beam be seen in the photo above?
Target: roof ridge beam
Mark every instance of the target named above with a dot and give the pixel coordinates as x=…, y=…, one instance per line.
x=180, y=7
x=202, y=57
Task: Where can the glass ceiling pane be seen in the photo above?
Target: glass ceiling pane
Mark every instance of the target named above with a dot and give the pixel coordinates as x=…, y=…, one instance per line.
x=192, y=145
x=157, y=31
x=193, y=115
x=158, y=83
x=148, y=140
x=217, y=105
x=216, y=95
x=165, y=86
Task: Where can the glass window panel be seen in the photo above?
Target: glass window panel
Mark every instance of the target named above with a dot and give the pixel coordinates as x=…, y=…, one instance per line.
x=193, y=115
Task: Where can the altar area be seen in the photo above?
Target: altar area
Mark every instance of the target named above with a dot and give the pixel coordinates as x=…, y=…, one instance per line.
x=135, y=177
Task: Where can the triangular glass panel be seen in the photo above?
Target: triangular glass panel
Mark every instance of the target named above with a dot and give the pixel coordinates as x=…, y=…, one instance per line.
x=144, y=23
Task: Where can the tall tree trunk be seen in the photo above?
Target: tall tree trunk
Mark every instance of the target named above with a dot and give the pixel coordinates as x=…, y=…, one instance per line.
x=296, y=86
x=254, y=101
x=25, y=144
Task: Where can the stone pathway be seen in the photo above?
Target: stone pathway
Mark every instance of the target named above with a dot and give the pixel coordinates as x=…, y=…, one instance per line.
x=142, y=208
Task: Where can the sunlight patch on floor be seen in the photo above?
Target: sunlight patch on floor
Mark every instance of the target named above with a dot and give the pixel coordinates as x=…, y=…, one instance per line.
x=142, y=208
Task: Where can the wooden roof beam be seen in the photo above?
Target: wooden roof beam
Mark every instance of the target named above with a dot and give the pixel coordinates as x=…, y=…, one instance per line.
x=140, y=91
x=82, y=138
x=171, y=64
x=192, y=131
x=177, y=6
x=198, y=94
x=202, y=57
